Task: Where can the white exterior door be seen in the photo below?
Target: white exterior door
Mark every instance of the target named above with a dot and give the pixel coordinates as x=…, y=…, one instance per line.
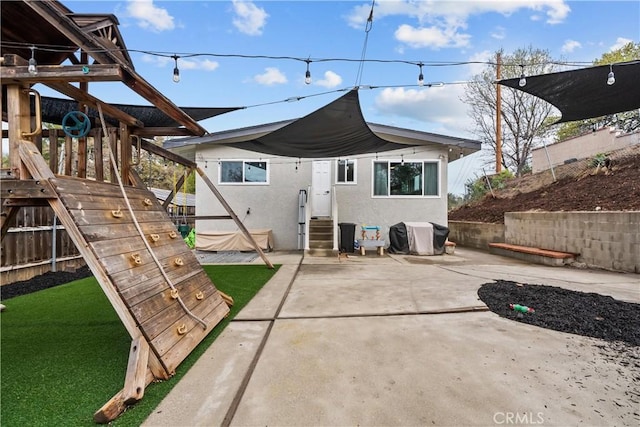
x=321, y=188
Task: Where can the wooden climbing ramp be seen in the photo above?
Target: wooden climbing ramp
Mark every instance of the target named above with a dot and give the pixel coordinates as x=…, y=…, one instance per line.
x=151, y=277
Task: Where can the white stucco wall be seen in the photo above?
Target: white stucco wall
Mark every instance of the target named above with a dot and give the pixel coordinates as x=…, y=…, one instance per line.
x=275, y=205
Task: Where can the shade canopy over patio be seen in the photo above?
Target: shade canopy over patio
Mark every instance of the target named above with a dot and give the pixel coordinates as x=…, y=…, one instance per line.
x=586, y=93
x=336, y=130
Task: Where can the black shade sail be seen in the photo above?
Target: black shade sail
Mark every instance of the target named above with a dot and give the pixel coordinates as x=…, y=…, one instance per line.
x=335, y=130
x=584, y=93
x=54, y=110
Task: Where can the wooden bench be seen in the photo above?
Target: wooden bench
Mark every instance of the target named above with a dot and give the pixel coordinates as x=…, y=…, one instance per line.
x=531, y=254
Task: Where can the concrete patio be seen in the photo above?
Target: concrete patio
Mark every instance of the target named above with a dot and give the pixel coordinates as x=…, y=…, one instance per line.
x=404, y=340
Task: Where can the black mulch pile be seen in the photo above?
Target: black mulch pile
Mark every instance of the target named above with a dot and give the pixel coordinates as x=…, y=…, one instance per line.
x=586, y=314
x=44, y=281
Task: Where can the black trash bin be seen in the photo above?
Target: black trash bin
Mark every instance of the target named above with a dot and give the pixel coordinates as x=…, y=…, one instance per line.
x=347, y=236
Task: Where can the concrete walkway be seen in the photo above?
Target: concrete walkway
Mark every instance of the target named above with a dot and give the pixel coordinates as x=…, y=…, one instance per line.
x=402, y=341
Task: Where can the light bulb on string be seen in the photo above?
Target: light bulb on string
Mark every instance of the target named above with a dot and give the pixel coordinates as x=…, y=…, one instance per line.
x=420, y=76
x=33, y=65
x=611, y=78
x=307, y=75
x=176, y=71
x=523, y=79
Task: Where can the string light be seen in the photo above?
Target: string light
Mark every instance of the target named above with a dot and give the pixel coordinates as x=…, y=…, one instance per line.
x=176, y=71
x=420, y=76
x=307, y=75
x=611, y=78
x=523, y=79
x=33, y=65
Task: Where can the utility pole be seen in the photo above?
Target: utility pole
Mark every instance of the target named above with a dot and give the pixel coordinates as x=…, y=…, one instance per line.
x=498, y=116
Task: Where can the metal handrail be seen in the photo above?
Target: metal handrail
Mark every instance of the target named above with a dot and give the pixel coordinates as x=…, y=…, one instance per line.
x=307, y=218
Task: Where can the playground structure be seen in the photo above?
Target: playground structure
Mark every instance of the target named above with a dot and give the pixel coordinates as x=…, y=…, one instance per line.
x=157, y=287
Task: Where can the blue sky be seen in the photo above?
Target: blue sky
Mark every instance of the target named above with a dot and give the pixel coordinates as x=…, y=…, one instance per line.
x=414, y=31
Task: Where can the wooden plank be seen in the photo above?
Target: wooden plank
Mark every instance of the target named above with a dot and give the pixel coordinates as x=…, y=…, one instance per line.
x=93, y=217
x=17, y=203
x=113, y=153
x=58, y=73
x=123, y=261
x=53, y=150
x=68, y=155
x=108, y=247
x=7, y=219
x=82, y=157
x=135, y=379
x=68, y=186
x=125, y=154
x=118, y=231
x=163, y=152
x=110, y=202
x=26, y=189
x=98, y=154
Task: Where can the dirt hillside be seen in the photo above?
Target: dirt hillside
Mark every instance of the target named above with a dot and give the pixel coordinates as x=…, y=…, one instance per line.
x=580, y=186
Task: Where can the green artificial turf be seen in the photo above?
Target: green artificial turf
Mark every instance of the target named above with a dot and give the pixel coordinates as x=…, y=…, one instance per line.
x=64, y=351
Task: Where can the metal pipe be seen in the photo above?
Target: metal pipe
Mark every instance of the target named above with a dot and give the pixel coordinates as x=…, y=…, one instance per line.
x=54, y=244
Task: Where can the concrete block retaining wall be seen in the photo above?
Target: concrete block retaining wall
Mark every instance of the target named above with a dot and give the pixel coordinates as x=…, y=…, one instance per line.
x=476, y=235
x=609, y=240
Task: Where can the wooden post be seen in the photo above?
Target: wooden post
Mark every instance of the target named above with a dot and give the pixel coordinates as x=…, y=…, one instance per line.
x=19, y=121
x=68, y=155
x=97, y=154
x=498, y=117
x=125, y=154
x=53, y=150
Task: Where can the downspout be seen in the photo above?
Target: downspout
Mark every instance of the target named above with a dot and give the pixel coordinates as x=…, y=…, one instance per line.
x=334, y=216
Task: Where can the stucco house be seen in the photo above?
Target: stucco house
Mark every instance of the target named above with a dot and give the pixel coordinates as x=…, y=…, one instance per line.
x=297, y=177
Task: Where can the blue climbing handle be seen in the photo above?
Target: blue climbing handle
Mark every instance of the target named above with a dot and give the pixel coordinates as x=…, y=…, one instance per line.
x=76, y=124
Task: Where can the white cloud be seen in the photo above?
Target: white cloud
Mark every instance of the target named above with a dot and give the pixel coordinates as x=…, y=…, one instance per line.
x=432, y=37
x=436, y=105
x=570, y=45
x=478, y=62
x=443, y=22
x=250, y=19
x=620, y=42
x=499, y=33
x=183, y=63
x=150, y=16
x=330, y=80
x=271, y=76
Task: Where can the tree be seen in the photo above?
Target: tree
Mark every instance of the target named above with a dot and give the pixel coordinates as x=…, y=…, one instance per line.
x=524, y=117
x=627, y=121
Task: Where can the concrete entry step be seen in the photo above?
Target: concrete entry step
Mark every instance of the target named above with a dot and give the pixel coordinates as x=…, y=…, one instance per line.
x=531, y=254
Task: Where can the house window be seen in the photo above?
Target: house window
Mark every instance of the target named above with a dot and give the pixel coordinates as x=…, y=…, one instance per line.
x=243, y=172
x=406, y=178
x=346, y=172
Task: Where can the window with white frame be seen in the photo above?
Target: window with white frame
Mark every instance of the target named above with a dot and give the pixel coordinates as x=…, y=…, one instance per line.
x=244, y=172
x=346, y=172
x=405, y=178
